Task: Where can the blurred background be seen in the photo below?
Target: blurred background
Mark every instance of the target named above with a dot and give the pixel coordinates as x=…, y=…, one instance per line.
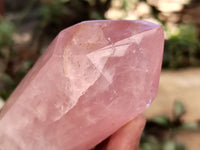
x=27, y=27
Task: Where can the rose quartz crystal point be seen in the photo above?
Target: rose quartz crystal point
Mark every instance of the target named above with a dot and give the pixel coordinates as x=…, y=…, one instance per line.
x=93, y=78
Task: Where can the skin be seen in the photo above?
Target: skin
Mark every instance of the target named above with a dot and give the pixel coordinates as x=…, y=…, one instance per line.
x=126, y=138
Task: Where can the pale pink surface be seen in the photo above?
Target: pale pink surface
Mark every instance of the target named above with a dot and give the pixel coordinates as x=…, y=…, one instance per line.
x=94, y=77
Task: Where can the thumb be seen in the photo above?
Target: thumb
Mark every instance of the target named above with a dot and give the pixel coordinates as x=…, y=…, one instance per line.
x=128, y=137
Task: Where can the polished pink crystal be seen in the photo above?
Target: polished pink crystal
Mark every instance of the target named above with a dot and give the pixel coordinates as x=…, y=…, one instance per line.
x=94, y=77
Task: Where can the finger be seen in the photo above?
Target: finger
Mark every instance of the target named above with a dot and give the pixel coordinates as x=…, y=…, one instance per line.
x=102, y=145
x=128, y=137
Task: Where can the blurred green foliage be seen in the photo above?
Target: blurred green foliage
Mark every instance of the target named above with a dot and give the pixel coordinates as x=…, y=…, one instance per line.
x=7, y=30
x=151, y=143
x=6, y=33
x=63, y=13
x=52, y=10
x=179, y=109
x=162, y=120
x=7, y=85
x=160, y=131
x=182, y=49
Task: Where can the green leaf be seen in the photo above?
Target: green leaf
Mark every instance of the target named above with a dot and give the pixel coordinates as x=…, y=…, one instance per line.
x=161, y=120
x=147, y=146
x=180, y=146
x=169, y=145
x=64, y=1
x=7, y=29
x=179, y=109
x=190, y=126
x=6, y=78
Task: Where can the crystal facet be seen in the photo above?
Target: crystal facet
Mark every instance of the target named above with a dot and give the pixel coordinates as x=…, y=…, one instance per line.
x=93, y=78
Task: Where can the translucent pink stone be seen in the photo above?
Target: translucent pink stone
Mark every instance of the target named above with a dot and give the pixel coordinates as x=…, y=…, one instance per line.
x=94, y=77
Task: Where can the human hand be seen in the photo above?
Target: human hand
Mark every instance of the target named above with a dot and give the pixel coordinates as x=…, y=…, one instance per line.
x=126, y=138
